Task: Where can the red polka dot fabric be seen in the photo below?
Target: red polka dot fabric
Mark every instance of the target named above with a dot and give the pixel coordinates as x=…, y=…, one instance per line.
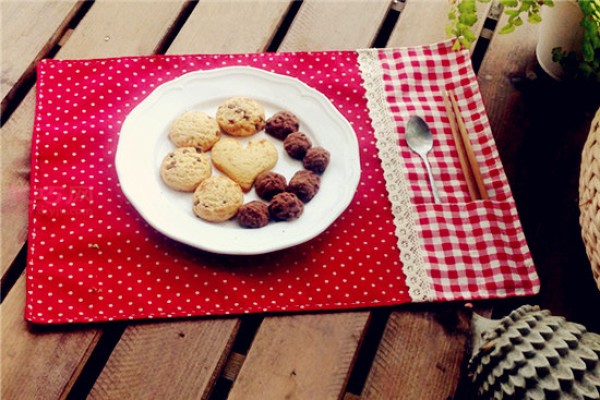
x=93, y=258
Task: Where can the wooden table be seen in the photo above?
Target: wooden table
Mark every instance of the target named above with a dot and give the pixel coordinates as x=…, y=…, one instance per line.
x=407, y=352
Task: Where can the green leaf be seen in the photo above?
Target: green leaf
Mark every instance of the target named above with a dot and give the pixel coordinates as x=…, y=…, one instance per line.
x=507, y=29
x=470, y=36
x=534, y=18
x=468, y=19
x=518, y=21
x=467, y=7
x=509, y=3
x=456, y=46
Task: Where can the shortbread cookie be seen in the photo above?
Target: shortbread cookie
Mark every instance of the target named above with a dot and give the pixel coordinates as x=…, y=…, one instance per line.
x=195, y=128
x=184, y=168
x=244, y=164
x=217, y=199
x=241, y=116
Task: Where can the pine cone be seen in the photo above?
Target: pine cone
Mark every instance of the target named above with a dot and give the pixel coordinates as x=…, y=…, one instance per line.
x=531, y=354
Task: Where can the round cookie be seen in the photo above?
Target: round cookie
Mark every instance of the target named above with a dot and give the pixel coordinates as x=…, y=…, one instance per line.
x=196, y=129
x=285, y=206
x=304, y=184
x=254, y=214
x=217, y=199
x=296, y=144
x=184, y=168
x=316, y=159
x=268, y=184
x=241, y=116
x=282, y=124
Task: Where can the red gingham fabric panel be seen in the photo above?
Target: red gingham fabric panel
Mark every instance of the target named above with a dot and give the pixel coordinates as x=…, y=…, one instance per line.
x=472, y=248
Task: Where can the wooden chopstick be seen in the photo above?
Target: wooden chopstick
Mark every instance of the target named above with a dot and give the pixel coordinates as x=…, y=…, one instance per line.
x=467, y=159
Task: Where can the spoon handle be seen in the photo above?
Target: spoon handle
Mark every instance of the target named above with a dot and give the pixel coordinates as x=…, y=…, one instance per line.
x=436, y=197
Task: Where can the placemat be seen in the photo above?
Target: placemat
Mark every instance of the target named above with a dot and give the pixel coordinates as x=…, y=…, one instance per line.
x=93, y=258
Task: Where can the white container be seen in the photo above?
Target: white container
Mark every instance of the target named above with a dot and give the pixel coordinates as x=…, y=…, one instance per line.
x=560, y=27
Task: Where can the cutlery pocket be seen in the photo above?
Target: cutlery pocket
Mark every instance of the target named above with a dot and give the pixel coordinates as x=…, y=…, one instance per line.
x=474, y=247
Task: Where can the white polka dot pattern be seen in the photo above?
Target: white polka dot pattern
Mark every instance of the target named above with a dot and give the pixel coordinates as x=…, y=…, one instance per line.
x=93, y=258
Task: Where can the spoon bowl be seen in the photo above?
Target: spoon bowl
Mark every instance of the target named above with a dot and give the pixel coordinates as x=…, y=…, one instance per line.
x=420, y=140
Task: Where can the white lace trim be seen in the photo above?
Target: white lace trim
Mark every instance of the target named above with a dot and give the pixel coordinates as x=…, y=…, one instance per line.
x=417, y=279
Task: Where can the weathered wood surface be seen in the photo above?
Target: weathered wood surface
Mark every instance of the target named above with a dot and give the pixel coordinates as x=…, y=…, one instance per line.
x=410, y=351
x=540, y=126
x=34, y=28
x=301, y=357
x=434, y=363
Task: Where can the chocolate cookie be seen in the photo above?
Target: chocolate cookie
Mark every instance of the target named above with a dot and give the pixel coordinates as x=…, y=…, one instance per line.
x=296, y=144
x=316, y=159
x=304, y=184
x=254, y=214
x=285, y=206
x=282, y=124
x=268, y=184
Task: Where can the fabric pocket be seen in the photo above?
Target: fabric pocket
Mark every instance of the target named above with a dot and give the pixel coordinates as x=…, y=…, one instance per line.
x=475, y=250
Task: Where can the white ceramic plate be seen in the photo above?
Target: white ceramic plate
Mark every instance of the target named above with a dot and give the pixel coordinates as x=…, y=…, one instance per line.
x=144, y=141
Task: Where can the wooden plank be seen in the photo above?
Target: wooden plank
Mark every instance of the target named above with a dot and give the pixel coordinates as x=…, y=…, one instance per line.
x=420, y=355
x=166, y=360
x=49, y=363
x=507, y=56
x=38, y=363
x=15, y=145
x=29, y=31
x=540, y=127
x=190, y=367
x=432, y=14
x=300, y=357
x=218, y=26
x=335, y=25
x=119, y=28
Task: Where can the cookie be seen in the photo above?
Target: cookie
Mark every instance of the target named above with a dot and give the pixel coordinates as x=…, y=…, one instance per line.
x=241, y=116
x=282, y=124
x=184, y=168
x=316, y=159
x=254, y=214
x=268, y=184
x=196, y=129
x=296, y=144
x=217, y=199
x=304, y=184
x=244, y=164
x=285, y=206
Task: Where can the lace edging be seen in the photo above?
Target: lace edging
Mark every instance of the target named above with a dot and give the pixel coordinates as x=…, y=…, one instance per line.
x=417, y=279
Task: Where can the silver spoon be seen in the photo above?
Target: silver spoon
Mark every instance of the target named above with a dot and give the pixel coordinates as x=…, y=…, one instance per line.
x=420, y=140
